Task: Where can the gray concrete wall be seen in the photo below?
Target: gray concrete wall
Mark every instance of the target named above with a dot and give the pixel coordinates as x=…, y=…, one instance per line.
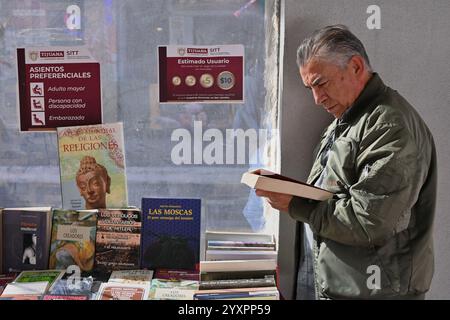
x=410, y=52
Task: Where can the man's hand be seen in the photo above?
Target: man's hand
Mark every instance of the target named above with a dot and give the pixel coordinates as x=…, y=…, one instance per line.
x=279, y=201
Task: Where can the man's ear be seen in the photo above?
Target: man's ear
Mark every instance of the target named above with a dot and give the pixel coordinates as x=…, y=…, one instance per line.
x=357, y=65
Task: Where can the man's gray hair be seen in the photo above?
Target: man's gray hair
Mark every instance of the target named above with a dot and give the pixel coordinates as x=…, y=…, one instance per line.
x=333, y=43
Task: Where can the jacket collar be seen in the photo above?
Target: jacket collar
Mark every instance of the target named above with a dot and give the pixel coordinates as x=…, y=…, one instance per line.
x=366, y=99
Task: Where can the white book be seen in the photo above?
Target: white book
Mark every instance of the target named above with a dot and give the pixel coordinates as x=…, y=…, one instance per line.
x=240, y=295
x=271, y=181
x=26, y=288
x=32, y=276
x=240, y=244
x=248, y=237
x=166, y=289
x=235, y=248
x=238, y=265
x=131, y=276
x=240, y=255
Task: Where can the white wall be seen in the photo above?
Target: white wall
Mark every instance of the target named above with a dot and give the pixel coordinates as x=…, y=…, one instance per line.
x=410, y=52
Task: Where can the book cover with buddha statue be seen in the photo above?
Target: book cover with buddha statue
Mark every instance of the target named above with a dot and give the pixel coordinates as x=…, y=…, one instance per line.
x=92, y=166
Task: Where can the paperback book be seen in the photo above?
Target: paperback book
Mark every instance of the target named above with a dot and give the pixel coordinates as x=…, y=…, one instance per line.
x=273, y=182
x=239, y=270
x=239, y=246
x=177, y=274
x=73, y=239
x=84, y=286
x=26, y=290
x=92, y=166
x=26, y=238
x=266, y=281
x=50, y=276
x=122, y=291
x=263, y=293
x=131, y=276
x=118, y=239
x=171, y=233
x=167, y=289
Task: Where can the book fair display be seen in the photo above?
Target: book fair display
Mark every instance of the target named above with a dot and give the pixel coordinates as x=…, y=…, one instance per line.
x=96, y=246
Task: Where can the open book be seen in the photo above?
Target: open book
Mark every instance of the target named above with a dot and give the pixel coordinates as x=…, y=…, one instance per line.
x=269, y=181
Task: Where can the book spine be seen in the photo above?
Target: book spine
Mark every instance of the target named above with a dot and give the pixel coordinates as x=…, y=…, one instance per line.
x=239, y=255
x=240, y=248
x=238, y=283
x=236, y=295
x=240, y=243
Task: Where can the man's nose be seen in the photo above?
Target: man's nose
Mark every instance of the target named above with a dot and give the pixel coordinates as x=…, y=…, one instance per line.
x=319, y=96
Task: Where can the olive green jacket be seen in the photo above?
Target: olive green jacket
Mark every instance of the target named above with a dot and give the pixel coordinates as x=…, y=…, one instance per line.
x=373, y=239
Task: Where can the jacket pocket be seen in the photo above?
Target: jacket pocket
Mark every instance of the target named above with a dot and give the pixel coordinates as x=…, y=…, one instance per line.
x=347, y=272
x=395, y=259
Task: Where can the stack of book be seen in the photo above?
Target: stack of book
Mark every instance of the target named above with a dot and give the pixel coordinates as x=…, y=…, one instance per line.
x=238, y=279
x=238, y=266
x=239, y=246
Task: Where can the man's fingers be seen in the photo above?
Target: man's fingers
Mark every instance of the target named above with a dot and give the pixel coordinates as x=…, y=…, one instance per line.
x=267, y=194
x=262, y=193
x=279, y=201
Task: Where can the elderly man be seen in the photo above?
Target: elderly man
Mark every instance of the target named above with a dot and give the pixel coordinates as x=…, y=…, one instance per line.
x=373, y=239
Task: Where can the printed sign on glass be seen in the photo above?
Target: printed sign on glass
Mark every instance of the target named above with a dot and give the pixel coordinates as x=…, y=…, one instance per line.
x=58, y=87
x=201, y=74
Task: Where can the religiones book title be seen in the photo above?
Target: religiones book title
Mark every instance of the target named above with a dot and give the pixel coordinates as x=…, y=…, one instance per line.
x=92, y=166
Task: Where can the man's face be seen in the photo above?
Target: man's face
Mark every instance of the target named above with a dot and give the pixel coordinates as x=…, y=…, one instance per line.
x=93, y=189
x=333, y=87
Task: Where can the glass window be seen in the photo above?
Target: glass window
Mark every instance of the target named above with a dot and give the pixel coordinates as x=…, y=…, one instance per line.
x=123, y=36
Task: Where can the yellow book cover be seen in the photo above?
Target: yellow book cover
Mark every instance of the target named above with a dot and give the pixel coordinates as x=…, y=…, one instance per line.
x=73, y=239
x=92, y=166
